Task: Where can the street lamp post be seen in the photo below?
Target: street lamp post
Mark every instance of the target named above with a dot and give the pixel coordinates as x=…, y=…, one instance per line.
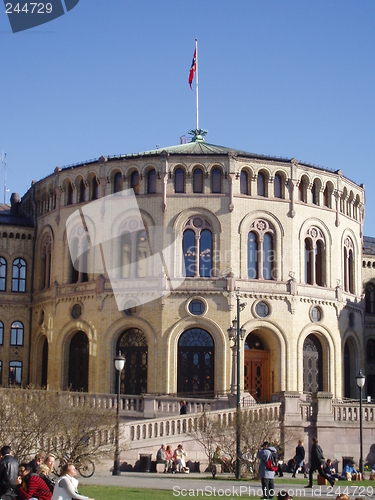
x=236, y=333
x=360, y=379
x=119, y=365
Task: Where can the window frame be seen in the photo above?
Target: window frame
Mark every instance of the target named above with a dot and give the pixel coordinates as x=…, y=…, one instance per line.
x=18, y=280
x=17, y=331
x=3, y=279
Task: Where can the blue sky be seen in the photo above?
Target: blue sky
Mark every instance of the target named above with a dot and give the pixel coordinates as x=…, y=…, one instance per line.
x=283, y=78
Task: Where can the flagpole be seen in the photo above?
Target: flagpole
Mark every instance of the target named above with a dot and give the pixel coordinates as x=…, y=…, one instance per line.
x=196, y=80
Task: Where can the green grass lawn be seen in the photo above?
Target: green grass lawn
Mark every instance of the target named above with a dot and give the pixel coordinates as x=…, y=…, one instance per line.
x=119, y=493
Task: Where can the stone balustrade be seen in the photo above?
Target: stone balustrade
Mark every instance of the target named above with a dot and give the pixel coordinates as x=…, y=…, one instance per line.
x=183, y=424
x=349, y=411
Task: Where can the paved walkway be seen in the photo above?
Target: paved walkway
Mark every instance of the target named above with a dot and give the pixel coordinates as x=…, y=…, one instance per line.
x=183, y=484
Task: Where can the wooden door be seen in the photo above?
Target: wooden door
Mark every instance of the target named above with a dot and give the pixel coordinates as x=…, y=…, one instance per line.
x=257, y=374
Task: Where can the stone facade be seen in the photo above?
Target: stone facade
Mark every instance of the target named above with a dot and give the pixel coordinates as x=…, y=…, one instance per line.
x=287, y=234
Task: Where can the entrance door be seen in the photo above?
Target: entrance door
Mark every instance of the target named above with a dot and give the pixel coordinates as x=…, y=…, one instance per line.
x=312, y=365
x=257, y=374
x=79, y=363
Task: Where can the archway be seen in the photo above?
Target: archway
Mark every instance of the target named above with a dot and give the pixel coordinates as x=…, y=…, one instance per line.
x=312, y=365
x=133, y=345
x=350, y=387
x=256, y=368
x=195, y=368
x=78, y=378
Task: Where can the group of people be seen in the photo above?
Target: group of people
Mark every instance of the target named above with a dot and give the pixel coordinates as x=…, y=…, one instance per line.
x=173, y=462
x=33, y=480
x=317, y=463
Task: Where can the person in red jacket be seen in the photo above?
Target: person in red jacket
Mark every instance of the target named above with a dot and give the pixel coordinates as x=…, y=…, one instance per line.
x=31, y=485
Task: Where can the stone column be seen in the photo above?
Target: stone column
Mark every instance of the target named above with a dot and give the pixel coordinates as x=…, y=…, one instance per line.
x=326, y=431
x=292, y=420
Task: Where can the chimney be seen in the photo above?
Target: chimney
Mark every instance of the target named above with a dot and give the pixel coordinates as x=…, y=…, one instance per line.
x=14, y=202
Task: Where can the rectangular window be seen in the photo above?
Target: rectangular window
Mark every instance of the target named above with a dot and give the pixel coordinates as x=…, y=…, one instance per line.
x=16, y=334
x=15, y=373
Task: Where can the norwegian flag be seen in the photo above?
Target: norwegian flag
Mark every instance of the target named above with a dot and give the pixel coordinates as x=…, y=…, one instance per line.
x=193, y=68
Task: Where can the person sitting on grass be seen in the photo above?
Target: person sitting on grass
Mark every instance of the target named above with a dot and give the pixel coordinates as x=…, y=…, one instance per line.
x=330, y=470
x=31, y=485
x=348, y=470
x=66, y=486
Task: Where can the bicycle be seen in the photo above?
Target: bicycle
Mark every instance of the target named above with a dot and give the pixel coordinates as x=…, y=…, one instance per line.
x=85, y=466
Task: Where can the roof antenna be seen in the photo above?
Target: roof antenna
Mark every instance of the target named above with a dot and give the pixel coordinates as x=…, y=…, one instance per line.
x=4, y=162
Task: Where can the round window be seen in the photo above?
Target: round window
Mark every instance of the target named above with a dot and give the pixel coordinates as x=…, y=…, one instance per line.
x=316, y=314
x=130, y=308
x=76, y=311
x=262, y=310
x=196, y=307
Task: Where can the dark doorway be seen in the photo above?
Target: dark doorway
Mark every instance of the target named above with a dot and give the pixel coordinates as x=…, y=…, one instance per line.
x=312, y=365
x=44, y=364
x=256, y=368
x=195, y=365
x=133, y=345
x=79, y=363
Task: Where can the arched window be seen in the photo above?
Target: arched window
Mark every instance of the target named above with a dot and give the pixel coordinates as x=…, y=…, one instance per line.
x=79, y=250
x=1, y=333
x=216, y=180
x=261, y=184
x=312, y=365
x=78, y=377
x=348, y=265
x=370, y=298
x=15, y=373
x=319, y=259
x=151, y=181
x=134, y=181
x=16, y=333
x=315, y=193
x=197, y=248
x=19, y=275
x=95, y=189
x=302, y=189
x=267, y=256
x=244, y=182
x=252, y=256
x=308, y=261
x=46, y=261
x=197, y=181
x=69, y=194
x=195, y=364
x=179, y=180
x=327, y=195
x=135, y=250
x=81, y=191
x=133, y=346
x=205, y=253
x=260, y=251
x=117, y=182
x=3, y=274
x=315, y=259
x=189, y=253
x=277, y=183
